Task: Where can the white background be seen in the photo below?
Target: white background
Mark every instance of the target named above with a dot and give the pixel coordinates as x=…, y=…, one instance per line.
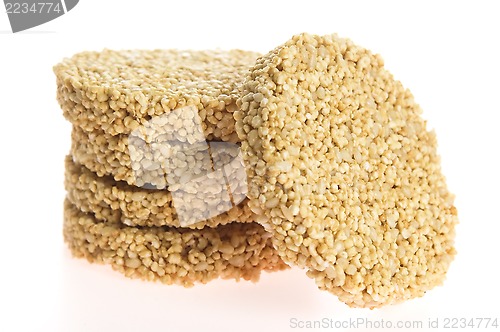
x=445, y=52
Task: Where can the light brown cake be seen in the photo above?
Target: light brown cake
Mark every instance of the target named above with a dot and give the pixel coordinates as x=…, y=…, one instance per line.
x=341, y=164
x=156, y=164
x=113, y=202
x=118, y=91
x=172, y=255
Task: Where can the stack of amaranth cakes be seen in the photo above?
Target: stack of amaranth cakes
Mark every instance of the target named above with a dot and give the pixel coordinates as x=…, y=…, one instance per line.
x=140, y=120
x=315, y=141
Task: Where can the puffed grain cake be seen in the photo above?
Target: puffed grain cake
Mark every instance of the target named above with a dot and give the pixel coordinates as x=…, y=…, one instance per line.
x=341, y=164
x=140, y=163
x=114, y=202
x=172, y=255
x=118, y=91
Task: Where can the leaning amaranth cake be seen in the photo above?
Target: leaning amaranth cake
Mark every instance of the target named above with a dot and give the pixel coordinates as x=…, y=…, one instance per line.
x=344, y=173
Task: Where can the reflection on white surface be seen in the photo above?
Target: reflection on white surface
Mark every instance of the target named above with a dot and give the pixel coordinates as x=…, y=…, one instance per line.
x=96, y=298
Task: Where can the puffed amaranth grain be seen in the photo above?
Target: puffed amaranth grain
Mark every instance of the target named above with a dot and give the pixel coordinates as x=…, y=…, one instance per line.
x=114, y=202
x=341, y=164
x=118, y=91
x=172, y=255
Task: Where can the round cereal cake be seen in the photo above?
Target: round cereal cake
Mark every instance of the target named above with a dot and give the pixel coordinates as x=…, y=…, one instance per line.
x=344, y=173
